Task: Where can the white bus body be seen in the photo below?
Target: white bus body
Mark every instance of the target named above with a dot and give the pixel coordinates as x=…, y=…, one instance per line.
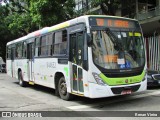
x=39, y=58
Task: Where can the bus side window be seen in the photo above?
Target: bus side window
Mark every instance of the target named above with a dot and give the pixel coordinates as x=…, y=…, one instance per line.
x=58, y=40
x=43, y=46
x=60, y=44
x=49, y=44
x=13, y=52
x=8, y=52
x=37, y=47
x=18, y=50
x=24, y=49
x=63, y=47
x=53, y=41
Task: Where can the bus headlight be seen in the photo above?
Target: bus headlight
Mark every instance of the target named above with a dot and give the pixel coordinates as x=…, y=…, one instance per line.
x=144, y=78
x=98, y=79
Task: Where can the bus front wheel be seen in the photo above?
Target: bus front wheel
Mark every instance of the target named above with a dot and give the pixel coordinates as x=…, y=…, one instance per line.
x=62, y=89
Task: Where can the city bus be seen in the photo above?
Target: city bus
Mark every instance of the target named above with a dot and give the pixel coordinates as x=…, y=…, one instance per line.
x=93, y=56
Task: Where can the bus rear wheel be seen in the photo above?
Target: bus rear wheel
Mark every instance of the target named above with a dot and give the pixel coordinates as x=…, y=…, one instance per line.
x=62, y=89
x=20, y=78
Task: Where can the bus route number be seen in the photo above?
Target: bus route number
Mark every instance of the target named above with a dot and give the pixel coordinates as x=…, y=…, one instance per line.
x=51, y=64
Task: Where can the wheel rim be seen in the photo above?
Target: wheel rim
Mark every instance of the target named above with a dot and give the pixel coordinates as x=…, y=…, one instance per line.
x=63, y=88
x=20, y=80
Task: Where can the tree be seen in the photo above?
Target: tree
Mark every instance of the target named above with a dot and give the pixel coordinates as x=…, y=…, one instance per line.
x=4, y=31
x=20, y=17
x=37, y=14
x=108, y=7
x=50, y=12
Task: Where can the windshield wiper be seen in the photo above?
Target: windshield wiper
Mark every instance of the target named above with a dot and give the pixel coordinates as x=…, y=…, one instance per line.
x=117, y=44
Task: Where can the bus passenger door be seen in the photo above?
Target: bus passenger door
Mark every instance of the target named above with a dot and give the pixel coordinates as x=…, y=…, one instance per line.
x=30, y=55
x=76, y=58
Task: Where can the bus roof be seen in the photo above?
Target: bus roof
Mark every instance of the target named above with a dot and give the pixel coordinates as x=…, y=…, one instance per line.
x=62, y=25
x=17, y=40
x=110, y=16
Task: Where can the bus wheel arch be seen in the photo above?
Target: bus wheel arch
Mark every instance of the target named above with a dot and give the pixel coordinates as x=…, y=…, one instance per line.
x=61, y=87
x=19, y=70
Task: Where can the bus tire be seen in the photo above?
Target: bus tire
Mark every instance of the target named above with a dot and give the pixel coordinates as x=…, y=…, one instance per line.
x=62, y=89
x=20, y=78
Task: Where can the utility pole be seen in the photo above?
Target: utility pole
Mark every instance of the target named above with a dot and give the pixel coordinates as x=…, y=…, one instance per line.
x=136, y=8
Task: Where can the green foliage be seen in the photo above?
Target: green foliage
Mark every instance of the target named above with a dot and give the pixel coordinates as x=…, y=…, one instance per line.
x=50, y=12
x=20, y=24
x=20, y=17
x=4, y=32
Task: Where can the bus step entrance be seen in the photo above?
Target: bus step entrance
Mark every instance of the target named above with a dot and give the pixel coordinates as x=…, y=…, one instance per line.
x=31, y=82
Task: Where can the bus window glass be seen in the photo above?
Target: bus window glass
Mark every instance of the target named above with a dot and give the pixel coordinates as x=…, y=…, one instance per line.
x=63, y=47
x=56, y=49
x=60, y=45
x=49, y=44
x=37, y=47
x=24, y=53
x=58, y=37
x=18, y=50
x=58, y=40
x=118, y=50
x=8, y=52
x=64, y=35
x=43, y=46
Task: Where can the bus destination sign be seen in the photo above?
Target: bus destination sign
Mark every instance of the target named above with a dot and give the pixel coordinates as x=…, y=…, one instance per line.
x=112, y=22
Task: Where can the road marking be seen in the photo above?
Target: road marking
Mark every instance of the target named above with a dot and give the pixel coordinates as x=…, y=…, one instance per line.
x=113, y=101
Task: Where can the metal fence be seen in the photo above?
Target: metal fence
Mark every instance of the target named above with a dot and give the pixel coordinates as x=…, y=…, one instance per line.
x=149, y=14
x=153, y=52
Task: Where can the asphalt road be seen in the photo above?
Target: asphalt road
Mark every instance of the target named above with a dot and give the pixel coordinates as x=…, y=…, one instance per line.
x=39, y=98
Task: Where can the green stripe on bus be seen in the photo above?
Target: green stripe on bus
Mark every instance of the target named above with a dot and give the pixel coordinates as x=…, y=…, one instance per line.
x=66, y=70
x=122, y=80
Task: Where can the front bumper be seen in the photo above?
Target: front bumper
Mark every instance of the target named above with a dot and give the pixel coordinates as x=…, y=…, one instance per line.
x=98, y=91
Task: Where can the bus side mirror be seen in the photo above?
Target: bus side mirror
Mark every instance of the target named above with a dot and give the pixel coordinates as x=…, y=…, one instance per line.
x=89, y=39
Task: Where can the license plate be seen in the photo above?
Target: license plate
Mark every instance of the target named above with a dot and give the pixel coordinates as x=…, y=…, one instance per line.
x=126, y=92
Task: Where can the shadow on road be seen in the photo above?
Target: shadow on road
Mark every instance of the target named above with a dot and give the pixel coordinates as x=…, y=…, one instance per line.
x=76, y=98
x=153, y=88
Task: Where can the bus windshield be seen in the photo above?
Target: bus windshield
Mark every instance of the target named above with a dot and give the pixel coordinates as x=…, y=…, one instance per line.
x=117, y=49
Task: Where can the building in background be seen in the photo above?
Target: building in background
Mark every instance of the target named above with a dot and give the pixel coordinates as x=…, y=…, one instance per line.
x=147, y=12
x=86, y=7
x=149, y=16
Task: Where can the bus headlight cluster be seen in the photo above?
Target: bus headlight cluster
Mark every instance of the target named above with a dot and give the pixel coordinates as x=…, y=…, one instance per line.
x=98, y=79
